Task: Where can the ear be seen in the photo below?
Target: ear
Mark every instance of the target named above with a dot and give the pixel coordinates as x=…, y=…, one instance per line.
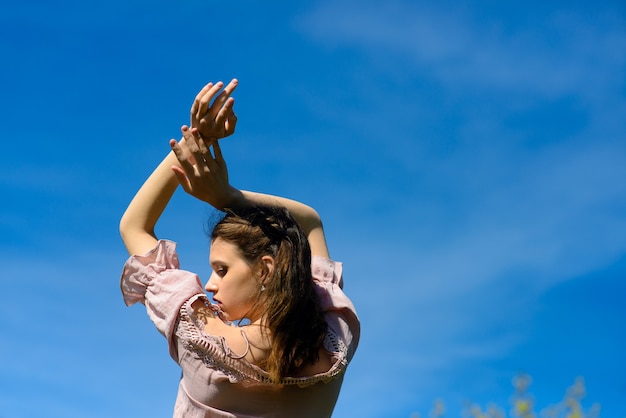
x=266, y=268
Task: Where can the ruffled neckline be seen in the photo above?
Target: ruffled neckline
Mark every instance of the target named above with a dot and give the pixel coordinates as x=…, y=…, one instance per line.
x=216, y=354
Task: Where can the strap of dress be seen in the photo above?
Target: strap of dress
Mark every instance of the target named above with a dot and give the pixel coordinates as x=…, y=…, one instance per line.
x=232, y=355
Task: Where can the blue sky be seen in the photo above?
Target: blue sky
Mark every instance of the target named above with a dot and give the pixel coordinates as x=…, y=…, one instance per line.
x=468, y=159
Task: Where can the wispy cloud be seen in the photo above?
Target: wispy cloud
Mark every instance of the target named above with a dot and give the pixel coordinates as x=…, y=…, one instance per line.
x=565, y=52
x=503, y=186
x=466, y=159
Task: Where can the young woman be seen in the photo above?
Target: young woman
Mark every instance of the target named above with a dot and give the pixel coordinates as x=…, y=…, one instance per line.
x=278, y=336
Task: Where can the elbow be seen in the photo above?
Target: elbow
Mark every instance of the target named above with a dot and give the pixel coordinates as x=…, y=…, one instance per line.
x=129, y=228
x=311, y=219
x=124, y=226
x=125, y=230
x=136, y=238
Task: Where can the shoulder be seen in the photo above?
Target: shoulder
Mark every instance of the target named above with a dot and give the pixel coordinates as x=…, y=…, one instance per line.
x=322, y=365
x=248, y=342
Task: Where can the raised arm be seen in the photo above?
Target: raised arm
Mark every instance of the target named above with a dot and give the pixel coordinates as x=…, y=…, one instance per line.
x=139, y=219
x=305, y=215
x=203, y=174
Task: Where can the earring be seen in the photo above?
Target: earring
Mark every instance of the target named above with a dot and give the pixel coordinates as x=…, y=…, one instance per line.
x=262, y=288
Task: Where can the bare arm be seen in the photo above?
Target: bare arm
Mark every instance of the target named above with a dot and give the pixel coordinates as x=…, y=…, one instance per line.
x=139, y=219
x=137, y=223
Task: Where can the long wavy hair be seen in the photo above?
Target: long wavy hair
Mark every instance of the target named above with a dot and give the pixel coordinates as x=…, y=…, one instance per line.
x=289, y=302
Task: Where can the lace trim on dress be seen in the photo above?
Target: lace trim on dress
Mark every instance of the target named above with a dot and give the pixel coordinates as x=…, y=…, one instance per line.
x=214, y=352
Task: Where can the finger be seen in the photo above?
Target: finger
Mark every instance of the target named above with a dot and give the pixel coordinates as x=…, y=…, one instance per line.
x=182, y=157
x=193, y=140
x=196, y=102
x=224, y=112
x=222, y=98
x=219, y=158
x=190, y=140
x=230, y=124
x=187, y=144
x=202, y=145
x=205, y=100
x=183, y=180
x=230, y=88
x=203, y=151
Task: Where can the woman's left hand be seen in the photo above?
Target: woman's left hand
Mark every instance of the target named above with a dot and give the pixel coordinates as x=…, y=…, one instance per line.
x=212, y=115
x=202, y=174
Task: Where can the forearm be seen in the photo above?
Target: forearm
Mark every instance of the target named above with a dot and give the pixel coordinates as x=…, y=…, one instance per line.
x=306, y=216
x=139, y=219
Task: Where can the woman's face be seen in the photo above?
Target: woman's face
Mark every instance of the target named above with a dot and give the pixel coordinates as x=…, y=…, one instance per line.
x=232, y=283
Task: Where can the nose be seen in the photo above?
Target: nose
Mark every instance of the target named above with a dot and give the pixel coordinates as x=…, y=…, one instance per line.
x=211, y=285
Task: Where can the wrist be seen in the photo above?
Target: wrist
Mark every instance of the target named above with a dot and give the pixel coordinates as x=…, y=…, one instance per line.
x=234, y=199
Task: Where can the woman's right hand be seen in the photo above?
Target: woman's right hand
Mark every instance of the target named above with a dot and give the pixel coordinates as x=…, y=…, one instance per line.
x=212, y=115
x=203, y=174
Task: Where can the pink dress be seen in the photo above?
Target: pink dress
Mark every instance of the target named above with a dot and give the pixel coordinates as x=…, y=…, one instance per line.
x=217, y=383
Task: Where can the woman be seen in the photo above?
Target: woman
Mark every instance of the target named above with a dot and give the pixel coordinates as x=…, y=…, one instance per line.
x=280, y=333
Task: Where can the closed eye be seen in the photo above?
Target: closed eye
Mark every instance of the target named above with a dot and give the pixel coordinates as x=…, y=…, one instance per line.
x=220, y=270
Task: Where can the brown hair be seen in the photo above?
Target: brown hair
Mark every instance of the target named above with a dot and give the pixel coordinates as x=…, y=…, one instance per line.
x=292, y=311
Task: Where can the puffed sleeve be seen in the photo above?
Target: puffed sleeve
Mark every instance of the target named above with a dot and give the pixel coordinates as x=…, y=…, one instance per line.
x=155, y=280
x=338, y=308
